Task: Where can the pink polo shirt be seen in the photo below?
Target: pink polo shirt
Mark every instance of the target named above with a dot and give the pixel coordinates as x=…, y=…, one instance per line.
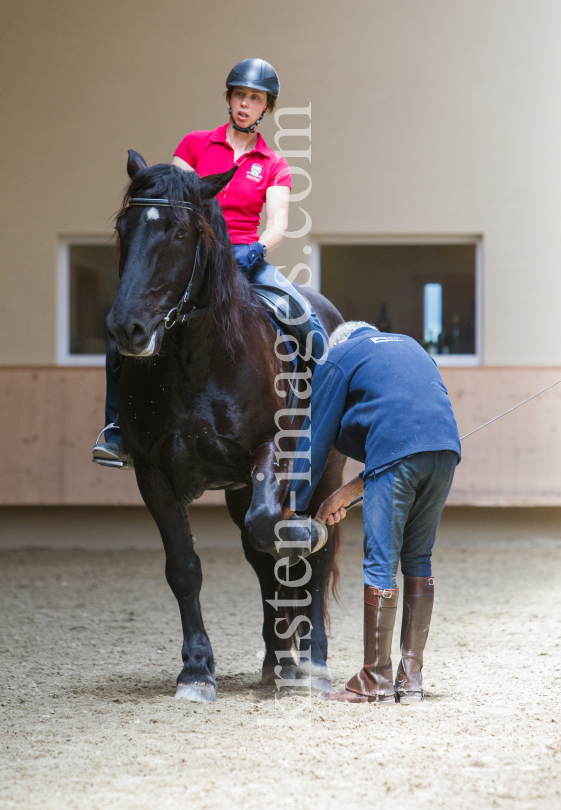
x=242, y=200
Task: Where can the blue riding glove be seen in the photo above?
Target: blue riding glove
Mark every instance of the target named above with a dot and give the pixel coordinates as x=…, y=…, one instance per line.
x=255, y=254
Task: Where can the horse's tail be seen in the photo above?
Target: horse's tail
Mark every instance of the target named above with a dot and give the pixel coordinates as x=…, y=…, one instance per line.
x=331, y=583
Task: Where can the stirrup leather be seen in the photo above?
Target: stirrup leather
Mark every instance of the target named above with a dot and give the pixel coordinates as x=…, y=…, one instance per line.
x=282, y=308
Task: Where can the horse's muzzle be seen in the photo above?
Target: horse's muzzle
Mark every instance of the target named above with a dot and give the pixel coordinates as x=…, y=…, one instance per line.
x=147, y=348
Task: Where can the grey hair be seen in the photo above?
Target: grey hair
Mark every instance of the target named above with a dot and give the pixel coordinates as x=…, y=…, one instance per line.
x=345, y=330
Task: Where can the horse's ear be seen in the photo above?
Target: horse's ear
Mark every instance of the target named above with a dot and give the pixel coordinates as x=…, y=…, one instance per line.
x=213, y=183
x=135, y=163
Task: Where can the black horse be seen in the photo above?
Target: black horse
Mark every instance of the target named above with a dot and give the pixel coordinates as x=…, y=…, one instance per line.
x=201, y=407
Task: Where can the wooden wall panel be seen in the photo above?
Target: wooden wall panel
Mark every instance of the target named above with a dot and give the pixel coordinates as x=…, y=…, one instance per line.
x=516, y=461
x=51, y=416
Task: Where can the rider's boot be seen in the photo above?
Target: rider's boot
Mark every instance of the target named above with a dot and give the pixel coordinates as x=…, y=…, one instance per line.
x=374, y=682
x=418, y=599
x=112, y=453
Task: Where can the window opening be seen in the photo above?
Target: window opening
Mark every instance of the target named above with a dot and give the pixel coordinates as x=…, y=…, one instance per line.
x=89, y=278
x=424, y=290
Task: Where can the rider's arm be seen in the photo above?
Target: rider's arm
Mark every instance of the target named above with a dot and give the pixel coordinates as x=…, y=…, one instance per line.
x=177, y=161
x=276, y=210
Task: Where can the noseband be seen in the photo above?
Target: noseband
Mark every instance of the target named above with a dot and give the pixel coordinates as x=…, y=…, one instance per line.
x=177, y=314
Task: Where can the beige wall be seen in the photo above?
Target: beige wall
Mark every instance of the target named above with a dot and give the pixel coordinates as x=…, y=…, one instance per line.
x=428, y=118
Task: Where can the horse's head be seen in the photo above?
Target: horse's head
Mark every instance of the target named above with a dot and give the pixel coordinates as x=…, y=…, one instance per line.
x=164, y=247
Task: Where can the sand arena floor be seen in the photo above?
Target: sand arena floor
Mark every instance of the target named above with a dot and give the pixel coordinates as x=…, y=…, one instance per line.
x=91, y=647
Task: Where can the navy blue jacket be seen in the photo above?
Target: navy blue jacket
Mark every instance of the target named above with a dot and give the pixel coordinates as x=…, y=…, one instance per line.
x=378, y=398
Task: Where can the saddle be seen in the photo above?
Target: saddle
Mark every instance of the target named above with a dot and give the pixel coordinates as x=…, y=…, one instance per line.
x=281, y=307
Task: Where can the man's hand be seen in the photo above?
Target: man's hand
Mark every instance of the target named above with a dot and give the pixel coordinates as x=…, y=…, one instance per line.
x=287, y=512
x=333, y=509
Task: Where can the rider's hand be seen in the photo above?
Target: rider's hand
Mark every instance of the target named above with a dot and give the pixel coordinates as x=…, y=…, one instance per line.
x=255, y=254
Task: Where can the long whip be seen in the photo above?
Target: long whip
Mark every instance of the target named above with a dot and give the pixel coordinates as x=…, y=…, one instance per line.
x=500, y=416
x=510, y=409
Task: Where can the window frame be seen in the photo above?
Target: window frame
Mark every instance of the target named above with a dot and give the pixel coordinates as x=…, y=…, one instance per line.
x=64, y=356
x=442, y=360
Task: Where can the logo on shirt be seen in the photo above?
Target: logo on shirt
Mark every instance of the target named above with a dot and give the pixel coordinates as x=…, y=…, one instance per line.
x=255, y=171
x=386, y=339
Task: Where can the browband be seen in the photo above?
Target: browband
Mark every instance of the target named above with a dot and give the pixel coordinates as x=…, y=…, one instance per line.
x=164, y=203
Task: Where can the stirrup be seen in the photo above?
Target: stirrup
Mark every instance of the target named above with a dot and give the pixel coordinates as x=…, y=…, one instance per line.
x=119, y=457
x=110, y=425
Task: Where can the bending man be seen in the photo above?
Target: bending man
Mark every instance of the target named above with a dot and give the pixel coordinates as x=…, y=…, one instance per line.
x=380, y=399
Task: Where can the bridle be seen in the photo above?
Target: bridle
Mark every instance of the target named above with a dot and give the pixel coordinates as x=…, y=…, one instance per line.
x=177, y=313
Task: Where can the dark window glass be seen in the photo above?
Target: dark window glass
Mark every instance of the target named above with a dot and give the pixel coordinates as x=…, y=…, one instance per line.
x=94, y=278
x=426, y=291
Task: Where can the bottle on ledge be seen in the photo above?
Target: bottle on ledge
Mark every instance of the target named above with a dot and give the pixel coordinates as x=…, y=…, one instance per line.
x=455, y=341
x=383, y=322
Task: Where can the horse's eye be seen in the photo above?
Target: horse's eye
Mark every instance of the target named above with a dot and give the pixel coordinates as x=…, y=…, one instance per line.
x=180, y=234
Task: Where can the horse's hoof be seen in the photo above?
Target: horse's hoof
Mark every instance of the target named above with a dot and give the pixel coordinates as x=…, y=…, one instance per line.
x=319, y=675
x=282, y=680
x=320, y=685
x=270, y=671
x=314, y=684
x=308, y=536
x=196, y=692
x=285, y=679
x=319, y=534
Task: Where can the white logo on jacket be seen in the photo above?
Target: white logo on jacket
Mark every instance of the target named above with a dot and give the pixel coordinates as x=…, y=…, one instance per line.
x=255, y=171
x=386, y=339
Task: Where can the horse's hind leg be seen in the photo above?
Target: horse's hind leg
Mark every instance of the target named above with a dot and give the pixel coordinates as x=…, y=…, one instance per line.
x=313, y=651
x=183, y=573
x=312, y=669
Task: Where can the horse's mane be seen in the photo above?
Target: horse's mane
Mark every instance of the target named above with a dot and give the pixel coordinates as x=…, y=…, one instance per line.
x=230, y=296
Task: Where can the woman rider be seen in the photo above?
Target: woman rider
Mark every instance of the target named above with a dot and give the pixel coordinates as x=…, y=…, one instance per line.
x=263, y=178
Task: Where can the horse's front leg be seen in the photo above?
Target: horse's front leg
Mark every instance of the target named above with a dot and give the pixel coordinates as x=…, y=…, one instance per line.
x=264, y=524
x=183, y=573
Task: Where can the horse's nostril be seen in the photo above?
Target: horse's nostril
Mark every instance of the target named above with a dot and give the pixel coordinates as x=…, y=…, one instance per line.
x=137, y=333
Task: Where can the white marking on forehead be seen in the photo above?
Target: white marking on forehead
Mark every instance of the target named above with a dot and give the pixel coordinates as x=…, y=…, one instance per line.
x=152, y=213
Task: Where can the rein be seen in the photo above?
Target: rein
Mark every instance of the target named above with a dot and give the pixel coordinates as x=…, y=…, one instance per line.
x=177, y=313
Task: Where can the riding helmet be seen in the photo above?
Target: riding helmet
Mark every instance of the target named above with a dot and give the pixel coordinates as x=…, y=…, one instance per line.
x=254, y=73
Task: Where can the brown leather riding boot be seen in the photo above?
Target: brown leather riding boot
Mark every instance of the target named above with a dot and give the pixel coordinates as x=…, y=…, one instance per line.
x=418, y=598
x=374, y=682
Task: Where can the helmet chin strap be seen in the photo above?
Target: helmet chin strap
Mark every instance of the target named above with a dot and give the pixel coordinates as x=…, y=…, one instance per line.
x=247, y=129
